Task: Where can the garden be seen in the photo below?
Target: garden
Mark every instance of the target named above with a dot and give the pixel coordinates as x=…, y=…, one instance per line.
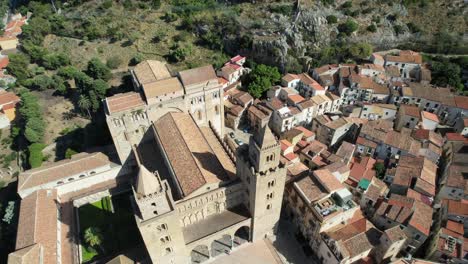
x=107, y=227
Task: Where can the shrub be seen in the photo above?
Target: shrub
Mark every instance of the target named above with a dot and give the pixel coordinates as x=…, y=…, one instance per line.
x=348, y=27
x=137, y=59
x=331, y=19
x=69, y=153
x=328, y=2
x=35, y=155
x=347, y=4
x=156, y=4
x=283, y=9
x=107, y=4
x=98, y=70
x=372, y=28
x=114, y=62
x=68, y=72
x=398, y=29
x=169, y=17
x=379, y=169
x=413, y=28
x=55, y=60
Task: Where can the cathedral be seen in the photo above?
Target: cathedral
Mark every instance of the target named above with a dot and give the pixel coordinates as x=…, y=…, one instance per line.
x=193, y=198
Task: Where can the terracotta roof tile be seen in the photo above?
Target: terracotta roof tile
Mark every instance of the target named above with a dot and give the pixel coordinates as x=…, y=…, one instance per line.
x=38, y=222
x=61, y=170
x=328, y=180
x=124, y=101
x=461, y=102
x=430, y=116
x=191, y=157
x=422, y=217
x=197, y=75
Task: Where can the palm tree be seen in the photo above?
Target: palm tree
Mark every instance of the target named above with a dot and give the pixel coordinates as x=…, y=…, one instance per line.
x=84, y=103
x=93, y=237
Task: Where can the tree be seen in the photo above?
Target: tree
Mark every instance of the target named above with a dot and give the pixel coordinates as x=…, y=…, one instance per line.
x=34, y=129
x=446, y=73
x=331, y=19
x=137, y=59
x=359, y=50
x=9, y=212
x=372, y=28
x=35, y=157
x=84, y=103
x=98, y=70
x=398, y=29
x=379, y=168
x=93, y=236
x=261, y=78
x=68, y=72
x=31, y=112
x=42, y=82
x=348, y=27
x=53, y=61
x=179, y=53
x=18, y=66
x=100, y=87
x=156, y=4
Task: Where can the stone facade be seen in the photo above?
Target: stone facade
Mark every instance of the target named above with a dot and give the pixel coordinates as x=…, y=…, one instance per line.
x=128, y=126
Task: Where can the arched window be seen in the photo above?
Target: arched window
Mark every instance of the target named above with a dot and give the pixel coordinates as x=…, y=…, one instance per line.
x=199, y=115
x=82, y=176
x=70, y=179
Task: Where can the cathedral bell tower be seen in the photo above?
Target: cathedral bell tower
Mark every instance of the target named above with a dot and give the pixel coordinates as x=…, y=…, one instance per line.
x=264, y=177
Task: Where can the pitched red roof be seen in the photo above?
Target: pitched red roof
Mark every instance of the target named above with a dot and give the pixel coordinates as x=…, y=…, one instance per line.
x=8, y=97
x=430, y=116
x=4, y=62
x=461, y=101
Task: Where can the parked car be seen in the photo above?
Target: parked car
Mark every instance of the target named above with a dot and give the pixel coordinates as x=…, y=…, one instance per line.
x=239, y=142
x=231, y=134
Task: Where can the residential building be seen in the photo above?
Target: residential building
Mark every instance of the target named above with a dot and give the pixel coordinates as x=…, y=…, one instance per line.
x=429, y=120
x=407, y=61
x=331, y=131
x=233, y=69
x=449, y=244
x=378, y=111
x=284, y=119
x=408, y=116
x=413, y=216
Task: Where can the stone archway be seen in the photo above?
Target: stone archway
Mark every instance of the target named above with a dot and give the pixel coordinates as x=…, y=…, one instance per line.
x=200, y=254
x=241, y=236
x=222, y=245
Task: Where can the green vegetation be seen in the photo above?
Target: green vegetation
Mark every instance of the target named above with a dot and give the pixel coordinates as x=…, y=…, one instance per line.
x=284, y=9
x=114, y=62
x=35, y=155
x=115, y=230
x=331, y=19
x=343, y=52
x=69, y=153
x=31, y=112
x=379, y=170
x=398, y=29
x=348, y=27
x=261, y=78
x=372, y=28
x=448, y=71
